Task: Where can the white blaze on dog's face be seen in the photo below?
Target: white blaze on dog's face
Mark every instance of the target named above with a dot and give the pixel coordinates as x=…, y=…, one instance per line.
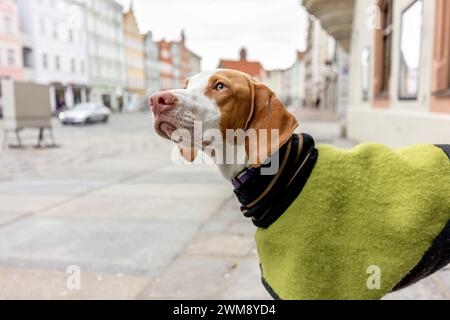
x=222, y=100
x=180, y=109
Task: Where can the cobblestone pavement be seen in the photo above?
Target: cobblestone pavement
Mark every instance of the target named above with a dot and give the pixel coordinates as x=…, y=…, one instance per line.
x=110, y=202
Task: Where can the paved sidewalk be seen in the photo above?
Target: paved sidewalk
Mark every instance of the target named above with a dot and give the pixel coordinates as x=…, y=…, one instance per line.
x=110, y=201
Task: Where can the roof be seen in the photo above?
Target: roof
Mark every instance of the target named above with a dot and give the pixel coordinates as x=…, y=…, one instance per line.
x=194, y=54
x=252, y=68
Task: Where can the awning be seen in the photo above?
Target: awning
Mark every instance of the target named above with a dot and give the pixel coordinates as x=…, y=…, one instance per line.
x=336, y=17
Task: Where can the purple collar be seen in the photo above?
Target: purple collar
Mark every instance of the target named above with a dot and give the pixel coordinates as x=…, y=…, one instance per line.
x=243, y=177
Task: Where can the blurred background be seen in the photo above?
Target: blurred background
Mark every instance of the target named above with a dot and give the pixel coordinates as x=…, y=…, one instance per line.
x=91, y=205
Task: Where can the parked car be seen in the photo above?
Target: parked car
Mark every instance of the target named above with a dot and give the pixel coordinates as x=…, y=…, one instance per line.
x=85, y=113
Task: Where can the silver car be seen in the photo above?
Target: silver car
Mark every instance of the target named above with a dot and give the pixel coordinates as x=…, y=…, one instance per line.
x=85, y=113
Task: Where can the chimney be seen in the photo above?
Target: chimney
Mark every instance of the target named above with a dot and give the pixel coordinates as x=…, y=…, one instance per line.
x=243, y=54
x=301, y=55
x=183, y=37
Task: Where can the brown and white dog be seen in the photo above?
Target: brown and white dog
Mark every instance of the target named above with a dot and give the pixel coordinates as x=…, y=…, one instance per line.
x=225, y=100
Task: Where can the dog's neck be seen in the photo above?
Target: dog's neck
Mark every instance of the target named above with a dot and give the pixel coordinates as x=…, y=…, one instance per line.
x=231, y=171
x=267, y=191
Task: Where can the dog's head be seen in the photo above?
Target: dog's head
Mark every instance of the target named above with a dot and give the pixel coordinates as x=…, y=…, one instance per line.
x=223, y=100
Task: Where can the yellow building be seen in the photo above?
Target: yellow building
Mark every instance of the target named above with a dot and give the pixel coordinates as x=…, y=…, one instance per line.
x=135, y=63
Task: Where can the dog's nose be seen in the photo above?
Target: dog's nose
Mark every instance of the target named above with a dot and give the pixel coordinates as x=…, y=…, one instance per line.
x=162, y=101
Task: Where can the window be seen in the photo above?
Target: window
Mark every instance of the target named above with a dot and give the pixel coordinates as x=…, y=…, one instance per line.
x=11, y=57
x=383, y=45
x=55, y=30
x=387, y=45
x=440, y=99
x=365, y=73
x=73, y=67
x=45, y=61
x=441, y=59
x=71, y=37
x=8, y=25
x=57, y=63
x=42, y=26
x=410, y=45
x=165, y=54
x=28, y=57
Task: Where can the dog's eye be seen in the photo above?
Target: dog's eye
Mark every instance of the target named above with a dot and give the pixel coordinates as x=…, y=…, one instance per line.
x=220, y=86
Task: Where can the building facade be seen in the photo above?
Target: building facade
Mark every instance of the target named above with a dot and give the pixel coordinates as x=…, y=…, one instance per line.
x=295, y=82
x=54, y=48
x=135, y=63
x=289, y=84
x=177, y=63
x=312, y=66
x=152, y=65
x=185, y=62
x=400, y=76
x=342, y=92
x=166, y=70
x=10, y=41
x=252, y=68
x=320, y=77
x=276, y=81
x=195, y=63
x=106, y=52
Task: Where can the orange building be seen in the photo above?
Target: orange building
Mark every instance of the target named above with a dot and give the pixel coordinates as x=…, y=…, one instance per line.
x=177, y=63
x=253, y=68
x=165, y=59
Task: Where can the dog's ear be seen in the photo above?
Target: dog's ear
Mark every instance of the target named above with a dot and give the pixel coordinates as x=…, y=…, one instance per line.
x=268, y=113
x=189, y=154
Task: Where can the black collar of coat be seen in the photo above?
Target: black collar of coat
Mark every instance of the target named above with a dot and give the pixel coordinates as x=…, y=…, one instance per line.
x=289, y=183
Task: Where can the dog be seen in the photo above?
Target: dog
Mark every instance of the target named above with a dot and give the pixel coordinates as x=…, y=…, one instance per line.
x=332, y=224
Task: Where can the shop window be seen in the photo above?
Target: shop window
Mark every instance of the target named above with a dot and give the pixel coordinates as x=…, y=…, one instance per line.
x=410, y=48
x=365, y=73
x=383, y=48
x=441, y=60
x=440, y=99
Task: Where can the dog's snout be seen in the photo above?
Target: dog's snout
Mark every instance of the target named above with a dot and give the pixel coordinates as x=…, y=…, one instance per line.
x=162, y=101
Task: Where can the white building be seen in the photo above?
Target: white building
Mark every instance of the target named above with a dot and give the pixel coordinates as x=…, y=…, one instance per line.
x=294, y=78
x=319, y=69
x=276, y=82
x=195, y=63
x=55, y=48
x=152, y=65
x=400, y=67
x=106, y=51
x=343, y=75
x=289, y=84
x=400, y=76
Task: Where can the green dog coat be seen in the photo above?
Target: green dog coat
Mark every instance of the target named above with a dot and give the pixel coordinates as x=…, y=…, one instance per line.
x=363, y=220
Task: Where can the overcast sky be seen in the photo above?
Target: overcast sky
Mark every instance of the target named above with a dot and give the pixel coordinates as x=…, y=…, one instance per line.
x=272, y=30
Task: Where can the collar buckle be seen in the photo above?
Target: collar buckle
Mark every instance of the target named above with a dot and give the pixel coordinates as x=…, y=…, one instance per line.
x=243, y=177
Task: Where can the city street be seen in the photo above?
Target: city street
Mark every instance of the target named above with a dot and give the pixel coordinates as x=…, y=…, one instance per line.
x=110, y=202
